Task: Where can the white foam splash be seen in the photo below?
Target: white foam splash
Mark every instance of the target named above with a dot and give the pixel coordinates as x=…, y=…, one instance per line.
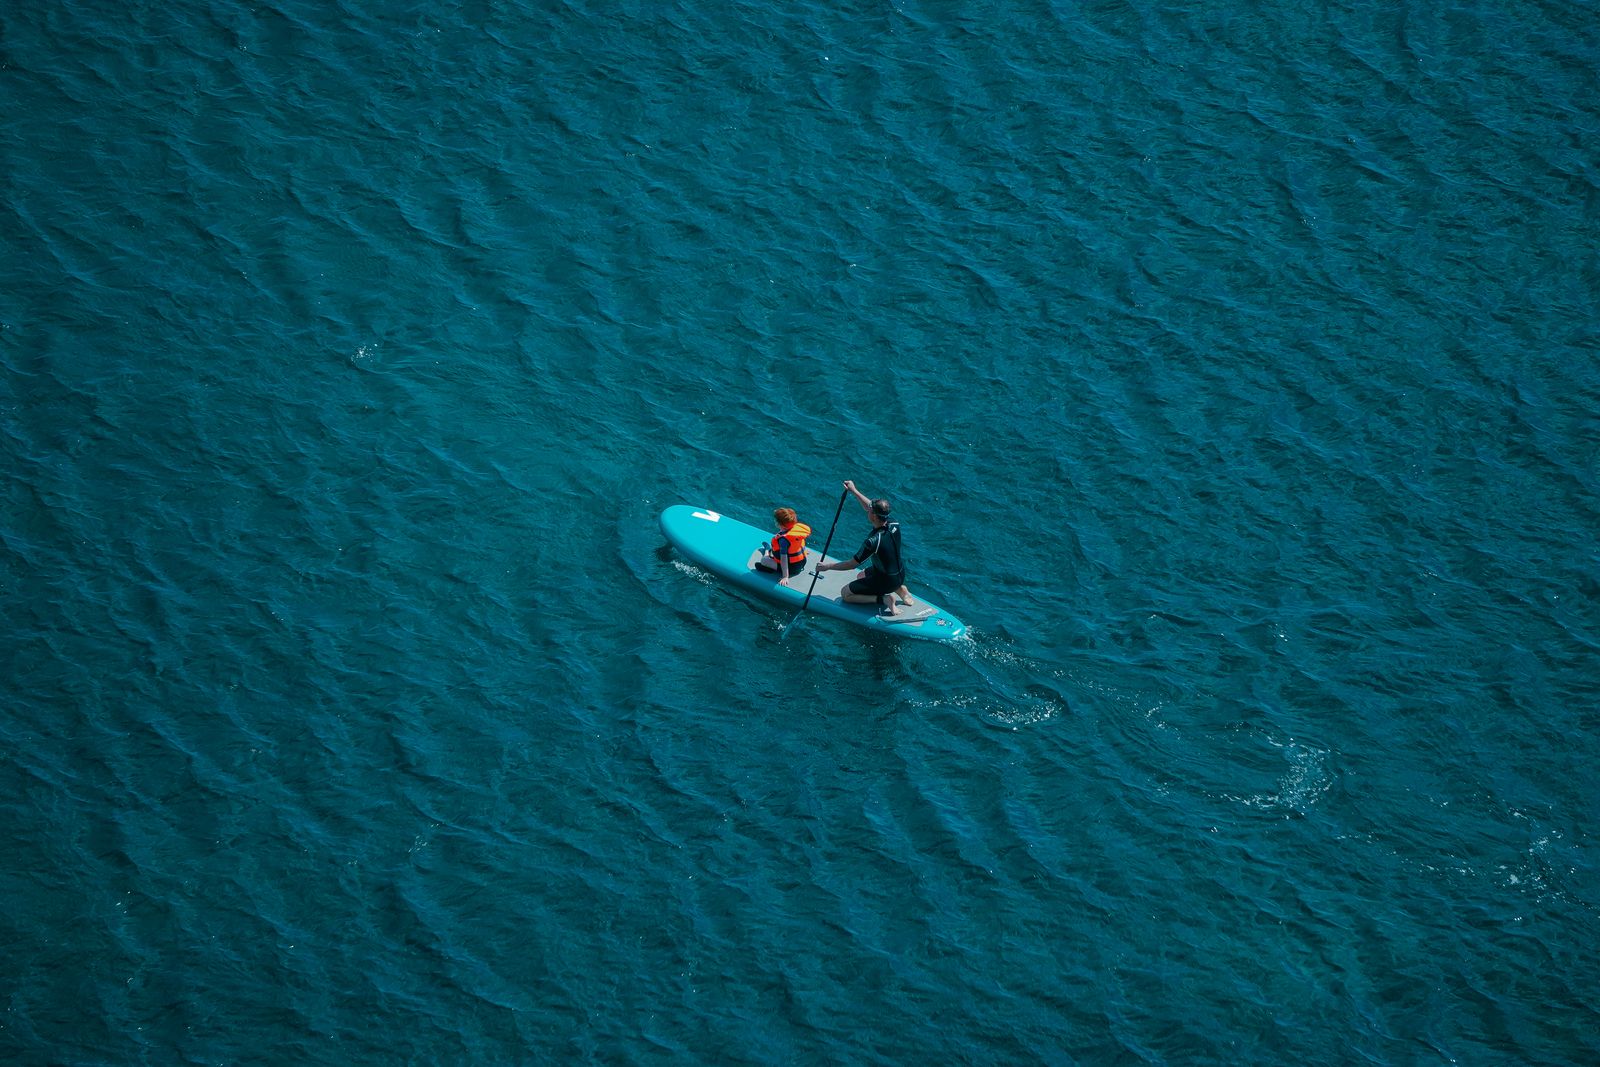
x=703, y=577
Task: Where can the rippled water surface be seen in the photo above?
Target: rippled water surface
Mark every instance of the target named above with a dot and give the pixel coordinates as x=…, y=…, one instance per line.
x=1234, y=371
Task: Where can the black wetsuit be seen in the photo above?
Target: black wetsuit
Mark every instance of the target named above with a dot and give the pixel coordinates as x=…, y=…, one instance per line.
x=886, y=568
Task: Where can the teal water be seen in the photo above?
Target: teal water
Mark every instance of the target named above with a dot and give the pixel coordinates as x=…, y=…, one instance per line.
x=1234, y=372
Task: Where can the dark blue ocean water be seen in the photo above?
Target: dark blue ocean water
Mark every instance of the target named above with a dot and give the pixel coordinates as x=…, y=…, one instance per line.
x=1234, y=370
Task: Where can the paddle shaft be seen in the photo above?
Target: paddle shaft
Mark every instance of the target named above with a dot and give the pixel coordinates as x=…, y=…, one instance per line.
x=815, y=573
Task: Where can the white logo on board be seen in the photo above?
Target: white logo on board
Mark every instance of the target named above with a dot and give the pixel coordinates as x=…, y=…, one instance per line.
x=709, y=516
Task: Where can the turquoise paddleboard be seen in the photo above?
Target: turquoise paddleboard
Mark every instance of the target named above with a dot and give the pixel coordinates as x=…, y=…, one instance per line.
x=728, y=548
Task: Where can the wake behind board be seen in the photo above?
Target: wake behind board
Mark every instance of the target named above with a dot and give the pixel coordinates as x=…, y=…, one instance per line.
x=728, y=548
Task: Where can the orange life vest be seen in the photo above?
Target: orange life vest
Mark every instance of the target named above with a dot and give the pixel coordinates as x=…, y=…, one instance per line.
x=796, y=536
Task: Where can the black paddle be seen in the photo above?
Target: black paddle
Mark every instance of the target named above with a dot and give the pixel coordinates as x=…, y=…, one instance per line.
x=815, y=573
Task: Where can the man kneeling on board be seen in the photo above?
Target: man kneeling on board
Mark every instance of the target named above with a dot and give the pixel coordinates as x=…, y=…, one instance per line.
x=885, y=580
x=787, y=553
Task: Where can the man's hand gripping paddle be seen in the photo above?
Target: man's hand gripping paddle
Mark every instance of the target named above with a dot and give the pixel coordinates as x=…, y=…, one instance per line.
x=815, y=573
